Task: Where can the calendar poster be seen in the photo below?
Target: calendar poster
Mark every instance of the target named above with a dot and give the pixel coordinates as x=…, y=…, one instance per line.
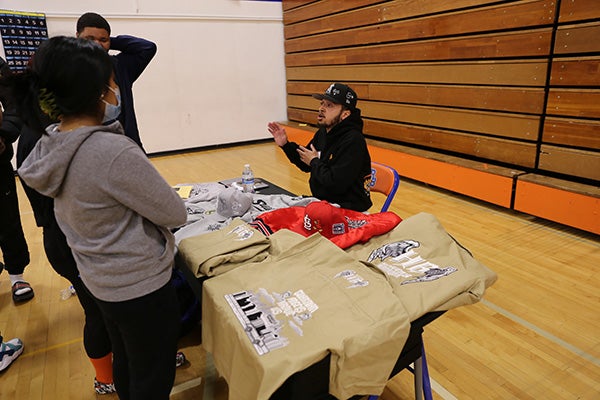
x=22, y=33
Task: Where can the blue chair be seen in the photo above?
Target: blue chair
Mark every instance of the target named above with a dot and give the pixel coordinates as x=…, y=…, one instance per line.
x=384, y=179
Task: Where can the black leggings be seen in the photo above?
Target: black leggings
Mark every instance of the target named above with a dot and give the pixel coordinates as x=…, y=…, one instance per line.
x=12, y=240
x=95, y=336
x=144, y=333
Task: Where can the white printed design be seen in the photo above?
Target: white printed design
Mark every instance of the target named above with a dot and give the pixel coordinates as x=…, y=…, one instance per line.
x=351, y=276
x=400, y=260
x=257, y=313
x=242, y=232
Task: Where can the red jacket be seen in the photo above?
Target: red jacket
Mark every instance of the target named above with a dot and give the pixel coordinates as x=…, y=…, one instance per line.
x=342, y=226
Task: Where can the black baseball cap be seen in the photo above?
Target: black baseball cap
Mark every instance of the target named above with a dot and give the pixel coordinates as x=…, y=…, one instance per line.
x=340, y=94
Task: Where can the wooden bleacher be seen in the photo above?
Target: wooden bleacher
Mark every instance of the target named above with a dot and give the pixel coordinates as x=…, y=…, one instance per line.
x=566, y=202
x=457, y=95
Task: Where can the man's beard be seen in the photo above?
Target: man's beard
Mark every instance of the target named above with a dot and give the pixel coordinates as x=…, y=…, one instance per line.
x=333, y=123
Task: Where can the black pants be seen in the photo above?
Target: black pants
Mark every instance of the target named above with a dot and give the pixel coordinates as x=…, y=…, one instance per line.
x=144, y=333
x=95, y=336
x=12, y=240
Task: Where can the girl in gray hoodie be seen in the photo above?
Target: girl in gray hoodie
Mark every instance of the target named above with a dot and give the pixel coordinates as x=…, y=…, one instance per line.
x=114, y=207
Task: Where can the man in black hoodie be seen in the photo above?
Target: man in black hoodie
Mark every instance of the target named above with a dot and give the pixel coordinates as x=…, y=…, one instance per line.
x=337, y=157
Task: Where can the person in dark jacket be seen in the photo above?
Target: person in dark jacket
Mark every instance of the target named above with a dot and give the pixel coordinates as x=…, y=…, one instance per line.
x=15, y=251
x=134, y=56
x=337, y=157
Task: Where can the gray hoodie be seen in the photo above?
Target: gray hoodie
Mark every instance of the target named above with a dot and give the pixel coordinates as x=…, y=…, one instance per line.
x=113, y=206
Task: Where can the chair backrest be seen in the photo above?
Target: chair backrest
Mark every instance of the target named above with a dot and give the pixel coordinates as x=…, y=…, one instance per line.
x=384, y=179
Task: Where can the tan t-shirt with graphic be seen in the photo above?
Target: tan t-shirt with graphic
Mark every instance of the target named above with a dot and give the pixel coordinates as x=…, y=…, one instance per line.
x=265, y=321
x=427, y=268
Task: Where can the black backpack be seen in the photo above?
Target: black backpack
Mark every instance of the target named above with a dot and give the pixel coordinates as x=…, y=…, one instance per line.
x=189, y=305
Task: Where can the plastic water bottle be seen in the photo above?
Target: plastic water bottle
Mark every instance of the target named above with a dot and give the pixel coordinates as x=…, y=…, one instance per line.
x=68, y=292
x=248, y=179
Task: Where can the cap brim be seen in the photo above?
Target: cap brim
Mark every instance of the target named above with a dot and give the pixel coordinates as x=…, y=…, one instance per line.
x=320, y=96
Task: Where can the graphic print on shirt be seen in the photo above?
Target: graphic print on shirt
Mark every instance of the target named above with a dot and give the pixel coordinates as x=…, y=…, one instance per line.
x=400, y=260
x=199, y=211
x=261, y=205
x=353, y=278
x=258, y=314
x=241, y=232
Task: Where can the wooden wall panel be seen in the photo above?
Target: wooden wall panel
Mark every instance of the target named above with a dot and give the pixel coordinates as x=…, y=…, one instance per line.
x=569, y=161
x=581, y=38
x=524, y=100
x=289, y=5
x=302, y=115
x=570, y=142
x=516, y=83
x=584, y=103
x=500, y=124
x=328, y=16
x=577, y=71
x=505, y=125
x=505, y=16
x=579, y=10
x=315, y=9
x=499, y=45
x=506, y=151
x=502, y=73
x=577, y=133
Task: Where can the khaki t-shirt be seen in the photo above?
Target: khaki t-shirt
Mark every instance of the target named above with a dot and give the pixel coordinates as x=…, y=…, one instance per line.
x=223, y=250
x=263, y=322
x=427, y=268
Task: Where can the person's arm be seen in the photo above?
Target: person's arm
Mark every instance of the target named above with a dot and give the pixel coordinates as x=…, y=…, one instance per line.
x=11, y=127
x=135, y=183
x=135, y=54
x=289, y=148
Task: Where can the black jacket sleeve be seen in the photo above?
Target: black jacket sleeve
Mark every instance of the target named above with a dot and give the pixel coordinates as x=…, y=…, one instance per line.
x=135, y=55
x=291, y=151
x=9, y=131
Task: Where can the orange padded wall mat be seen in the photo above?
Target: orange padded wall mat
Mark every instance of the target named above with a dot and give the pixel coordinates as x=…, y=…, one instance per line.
x=573, y=209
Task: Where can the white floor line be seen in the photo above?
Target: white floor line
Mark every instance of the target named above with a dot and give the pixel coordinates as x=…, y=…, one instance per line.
x=186, y=385
x=435, y=386
x=441, y=391
x=542, y=332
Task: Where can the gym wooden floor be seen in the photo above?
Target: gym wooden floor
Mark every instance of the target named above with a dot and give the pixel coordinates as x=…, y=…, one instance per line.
x=536, y=334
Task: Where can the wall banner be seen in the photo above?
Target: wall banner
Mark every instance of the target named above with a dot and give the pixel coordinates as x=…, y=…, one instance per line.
x=22, y=33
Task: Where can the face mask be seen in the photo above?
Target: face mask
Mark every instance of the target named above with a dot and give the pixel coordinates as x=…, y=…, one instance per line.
x=111, y=111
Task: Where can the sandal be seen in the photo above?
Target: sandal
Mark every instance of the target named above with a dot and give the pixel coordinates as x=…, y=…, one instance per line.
x=22, y=291
x=179, y=359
